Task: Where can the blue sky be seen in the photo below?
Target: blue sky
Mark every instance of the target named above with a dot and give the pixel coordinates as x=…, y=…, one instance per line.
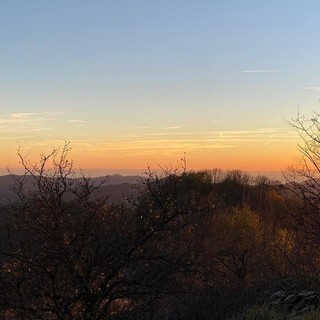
x=157, y=75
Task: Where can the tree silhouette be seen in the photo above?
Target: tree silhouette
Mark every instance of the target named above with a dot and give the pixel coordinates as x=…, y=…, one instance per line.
x=66, y=254
x=303, y=177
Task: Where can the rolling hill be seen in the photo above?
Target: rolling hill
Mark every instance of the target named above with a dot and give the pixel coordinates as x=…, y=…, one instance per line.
x=115, y=187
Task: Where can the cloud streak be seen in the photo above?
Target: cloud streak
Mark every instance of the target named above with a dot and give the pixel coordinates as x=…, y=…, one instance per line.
x=261, y=134
x=312, y=88
x=199, y=140
x=78, y=123
x=261, y=71
x=26, y=122
x=174, y=127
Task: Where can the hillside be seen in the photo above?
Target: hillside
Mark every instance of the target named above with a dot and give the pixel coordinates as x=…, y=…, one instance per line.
x=116, y=187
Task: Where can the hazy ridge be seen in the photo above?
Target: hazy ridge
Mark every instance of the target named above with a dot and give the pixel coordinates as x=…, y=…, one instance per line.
x=115, y=186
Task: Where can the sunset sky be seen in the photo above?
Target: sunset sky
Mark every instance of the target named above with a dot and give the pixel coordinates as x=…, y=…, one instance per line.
x=137, y=83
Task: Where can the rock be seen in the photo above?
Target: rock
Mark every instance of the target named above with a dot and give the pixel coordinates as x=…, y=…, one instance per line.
x=278, y=294
x=290, y=298
x=295, y=303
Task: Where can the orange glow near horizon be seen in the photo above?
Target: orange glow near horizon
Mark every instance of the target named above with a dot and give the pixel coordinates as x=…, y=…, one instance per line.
x=275, y=156
x=207, y=144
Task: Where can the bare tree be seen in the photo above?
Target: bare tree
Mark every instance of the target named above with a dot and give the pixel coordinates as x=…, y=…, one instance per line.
x=66, y=254
x=303, y=178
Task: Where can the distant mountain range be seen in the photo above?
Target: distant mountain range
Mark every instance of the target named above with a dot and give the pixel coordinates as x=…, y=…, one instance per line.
x=115, y=187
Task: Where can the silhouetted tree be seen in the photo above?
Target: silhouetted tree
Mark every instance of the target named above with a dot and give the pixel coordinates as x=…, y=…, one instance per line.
x=66, y=254
x=303, y=177
x=233, y=188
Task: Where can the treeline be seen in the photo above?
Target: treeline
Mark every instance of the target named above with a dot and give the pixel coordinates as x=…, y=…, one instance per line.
x=191, y=245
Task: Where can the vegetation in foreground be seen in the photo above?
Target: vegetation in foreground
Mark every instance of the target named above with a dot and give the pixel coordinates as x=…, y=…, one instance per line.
x=265, y=313
x=187, y=245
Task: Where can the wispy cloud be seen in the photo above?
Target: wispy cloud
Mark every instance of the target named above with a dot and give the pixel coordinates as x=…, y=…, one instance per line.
x=261, y=71
x=174, y=127
x=242, y=132
x=78, y=123
x=197, y=140
x=168, y=133
x=157, y=144
x=312, y=88
x=26, y=122
x=269, y=140
x=16, y=137
x=27, y=117
x=30, y=115
x=262, y=136
x=148, y=146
